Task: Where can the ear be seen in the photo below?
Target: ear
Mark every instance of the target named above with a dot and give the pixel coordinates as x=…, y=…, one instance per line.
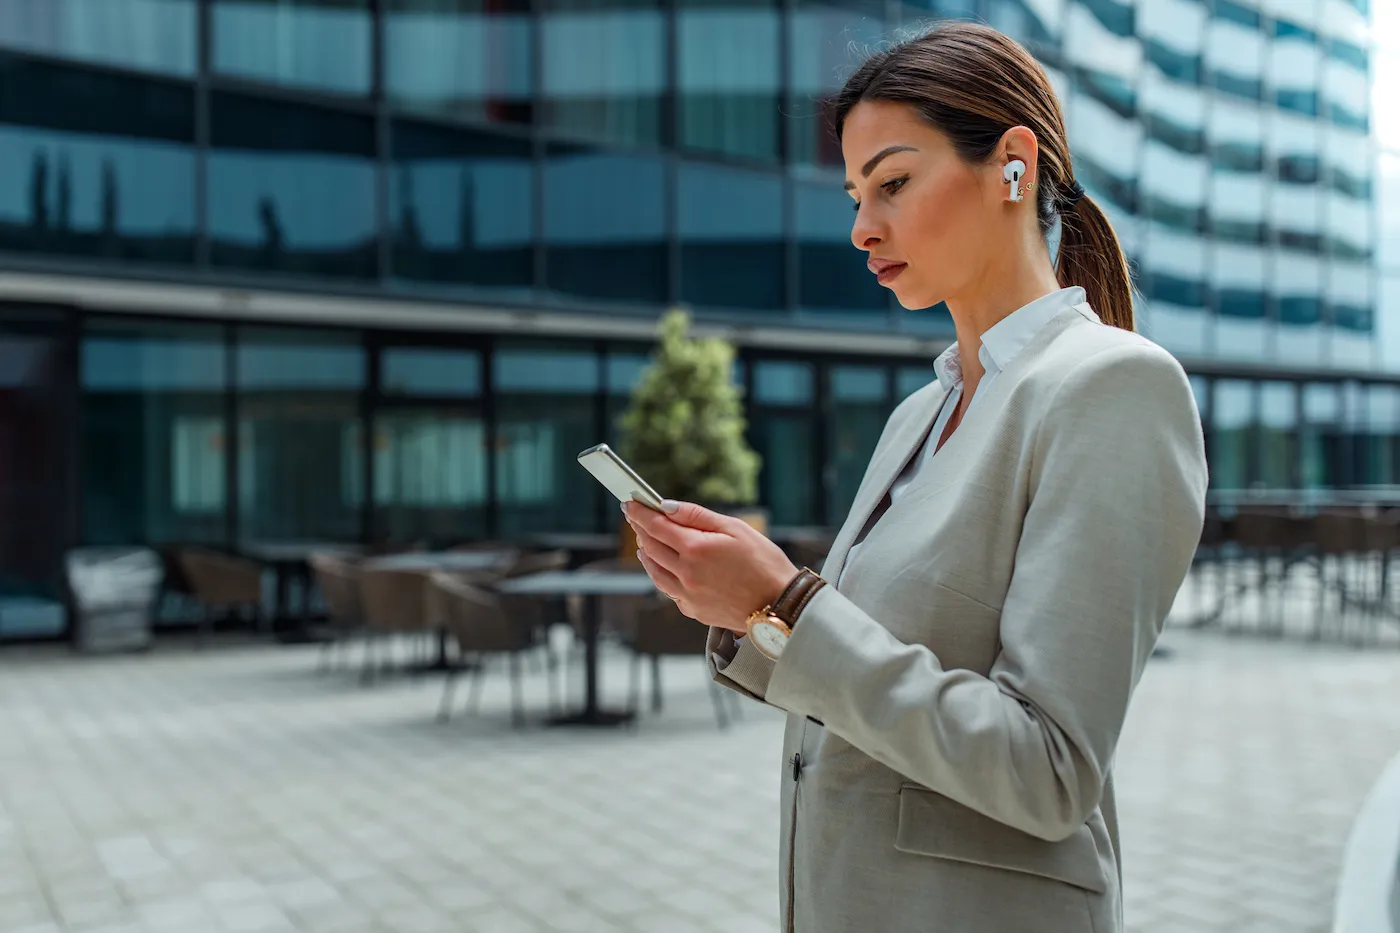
x=1019, y=142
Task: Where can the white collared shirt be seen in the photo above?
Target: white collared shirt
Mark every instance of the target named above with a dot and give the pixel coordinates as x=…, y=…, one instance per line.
x=1001, y=344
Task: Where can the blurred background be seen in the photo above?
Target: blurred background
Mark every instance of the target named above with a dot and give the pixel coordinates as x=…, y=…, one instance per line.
x=290, y=284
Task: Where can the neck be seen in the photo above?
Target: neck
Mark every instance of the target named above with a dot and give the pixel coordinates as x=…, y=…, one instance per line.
x=1001, y=289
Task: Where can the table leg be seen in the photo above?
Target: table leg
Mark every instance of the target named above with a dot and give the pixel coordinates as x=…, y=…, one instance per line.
x=592, y=714
x=288, y=628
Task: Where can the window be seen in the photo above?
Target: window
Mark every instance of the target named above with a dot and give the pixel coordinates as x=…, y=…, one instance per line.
x=783, y=429
x=605, y=68
x=149, y=35
x=95, y=165
x=1172, y=33
x=320, y=44
x=860, y=405
x=605, y=224
x=1231, y=427
x=1234, y=53
x=731, y=232
x=1297, y=292
x=729, y=77
x=154, y=433
x=462, y=207
x=1278, y=437
x=1239, y=277
x=826, y=42
x=291, y=188
x=1295, y=67
x=301, y=443
x=1295, y=199
x=546, y=402
x=1174, y=281
x=1320, y=436
x=468, y=58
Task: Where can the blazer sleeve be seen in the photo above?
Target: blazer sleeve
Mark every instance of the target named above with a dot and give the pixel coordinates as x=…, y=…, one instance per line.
x=1117, y=481
x=742, y=668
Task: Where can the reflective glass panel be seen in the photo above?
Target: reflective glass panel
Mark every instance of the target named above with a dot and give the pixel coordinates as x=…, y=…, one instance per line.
x=1296, y=284
x=430, y=480
x=1295, y=199
x=1347, y=197
x=731, y=232
x=462, y=205
x=860, y=405
x=151, y=35
x=291, y=188
x=427, y=372
x=301, y=442
x=1234, y=54
x=1379, y=464
x=469, y=58
x=1232, y=424
x=1239, y=275
x=1351, y=306
x=1033, y=23
x=321, y=44
x=1173, y=279
x=1106, y=154
x=95, y=165
x=1173, y=34
x=729, y=78
x=1278, y=435
x=832, y=277
x=1320, y=436
x=605, y=224
x=35, y=501
x=154, y=433
x=605, y=68
x=1295, y=63
x=826, y=42
x=1236, y=200
x=783, y=429
x=1346, y=86
x=546, y=404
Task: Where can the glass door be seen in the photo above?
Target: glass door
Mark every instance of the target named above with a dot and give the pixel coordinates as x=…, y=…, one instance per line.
x=35, y=509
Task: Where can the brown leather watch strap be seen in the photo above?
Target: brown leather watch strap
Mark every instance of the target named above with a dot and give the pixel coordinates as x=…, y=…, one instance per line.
x=798, y=594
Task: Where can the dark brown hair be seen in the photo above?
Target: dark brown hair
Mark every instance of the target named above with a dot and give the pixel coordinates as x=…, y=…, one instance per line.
x=972, y=83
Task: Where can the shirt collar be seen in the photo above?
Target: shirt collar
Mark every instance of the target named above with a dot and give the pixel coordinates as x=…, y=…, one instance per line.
x=1005, y=339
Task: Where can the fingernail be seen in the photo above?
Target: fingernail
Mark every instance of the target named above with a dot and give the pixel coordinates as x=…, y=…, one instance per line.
x=639, y=553
x=623, y=506
x=670, y=506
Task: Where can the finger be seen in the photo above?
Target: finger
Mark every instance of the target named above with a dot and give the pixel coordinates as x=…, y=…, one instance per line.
x=694, y=516
x=665, y=581
x=661, y=527
x=659, y=551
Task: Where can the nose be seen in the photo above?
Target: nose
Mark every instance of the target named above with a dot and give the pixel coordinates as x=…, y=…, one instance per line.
x=865, y=233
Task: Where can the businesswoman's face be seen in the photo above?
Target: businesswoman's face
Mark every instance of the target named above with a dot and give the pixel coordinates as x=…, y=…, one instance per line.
x=926, y=217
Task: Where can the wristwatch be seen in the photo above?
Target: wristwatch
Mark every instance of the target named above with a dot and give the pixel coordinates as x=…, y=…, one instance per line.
x=770, y=628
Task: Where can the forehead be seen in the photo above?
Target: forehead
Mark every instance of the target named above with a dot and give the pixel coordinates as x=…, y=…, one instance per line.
x=873, y=125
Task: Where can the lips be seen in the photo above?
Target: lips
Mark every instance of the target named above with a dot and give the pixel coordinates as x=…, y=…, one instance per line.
x=885, y=269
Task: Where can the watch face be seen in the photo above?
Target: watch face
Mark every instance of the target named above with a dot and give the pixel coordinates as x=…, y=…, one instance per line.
x=768, y=638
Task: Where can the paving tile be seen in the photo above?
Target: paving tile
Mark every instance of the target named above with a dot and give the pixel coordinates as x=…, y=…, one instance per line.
x=235, y=790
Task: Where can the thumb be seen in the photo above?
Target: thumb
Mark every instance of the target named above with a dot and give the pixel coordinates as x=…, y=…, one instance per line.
x=693, y=516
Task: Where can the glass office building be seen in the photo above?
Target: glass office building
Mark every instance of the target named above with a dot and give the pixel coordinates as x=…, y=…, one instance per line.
x=374, y=270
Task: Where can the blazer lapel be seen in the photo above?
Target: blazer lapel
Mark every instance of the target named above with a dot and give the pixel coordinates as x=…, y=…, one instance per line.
x=886, y=467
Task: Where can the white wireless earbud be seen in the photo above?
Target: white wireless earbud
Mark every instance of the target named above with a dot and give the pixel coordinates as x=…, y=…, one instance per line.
x=1012, y=173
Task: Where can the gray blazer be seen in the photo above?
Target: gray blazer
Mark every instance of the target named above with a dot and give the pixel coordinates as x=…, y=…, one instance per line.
x=954, y=707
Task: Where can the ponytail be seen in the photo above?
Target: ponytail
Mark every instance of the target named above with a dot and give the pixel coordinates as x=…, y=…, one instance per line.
x=1091, y=257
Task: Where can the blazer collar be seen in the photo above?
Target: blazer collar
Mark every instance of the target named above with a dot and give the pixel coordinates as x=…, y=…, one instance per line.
x=908, y=438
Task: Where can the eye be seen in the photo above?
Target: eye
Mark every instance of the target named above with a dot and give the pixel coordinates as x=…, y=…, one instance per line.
x=889, y=187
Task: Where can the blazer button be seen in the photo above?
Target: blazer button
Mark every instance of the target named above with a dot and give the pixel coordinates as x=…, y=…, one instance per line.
x=796, y=766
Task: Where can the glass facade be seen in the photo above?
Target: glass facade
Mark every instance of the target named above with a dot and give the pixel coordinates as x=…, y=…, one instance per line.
x=608, y=159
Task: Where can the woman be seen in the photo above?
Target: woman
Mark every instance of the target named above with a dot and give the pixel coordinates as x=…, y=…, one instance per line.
x=957, y=677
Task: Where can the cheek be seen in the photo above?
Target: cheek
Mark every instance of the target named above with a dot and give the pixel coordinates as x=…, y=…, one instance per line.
x=941, y=230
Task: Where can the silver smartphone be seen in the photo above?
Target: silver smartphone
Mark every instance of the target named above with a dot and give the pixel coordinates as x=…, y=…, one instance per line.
x=620, y=479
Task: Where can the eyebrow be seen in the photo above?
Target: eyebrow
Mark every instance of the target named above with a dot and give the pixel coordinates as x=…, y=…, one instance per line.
x=877, y=159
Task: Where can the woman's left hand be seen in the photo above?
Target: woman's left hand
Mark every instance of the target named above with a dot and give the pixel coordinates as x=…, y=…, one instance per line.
x=718, y=569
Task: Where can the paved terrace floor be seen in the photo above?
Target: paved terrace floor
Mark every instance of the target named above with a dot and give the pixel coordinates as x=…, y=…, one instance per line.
x=234, y=789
